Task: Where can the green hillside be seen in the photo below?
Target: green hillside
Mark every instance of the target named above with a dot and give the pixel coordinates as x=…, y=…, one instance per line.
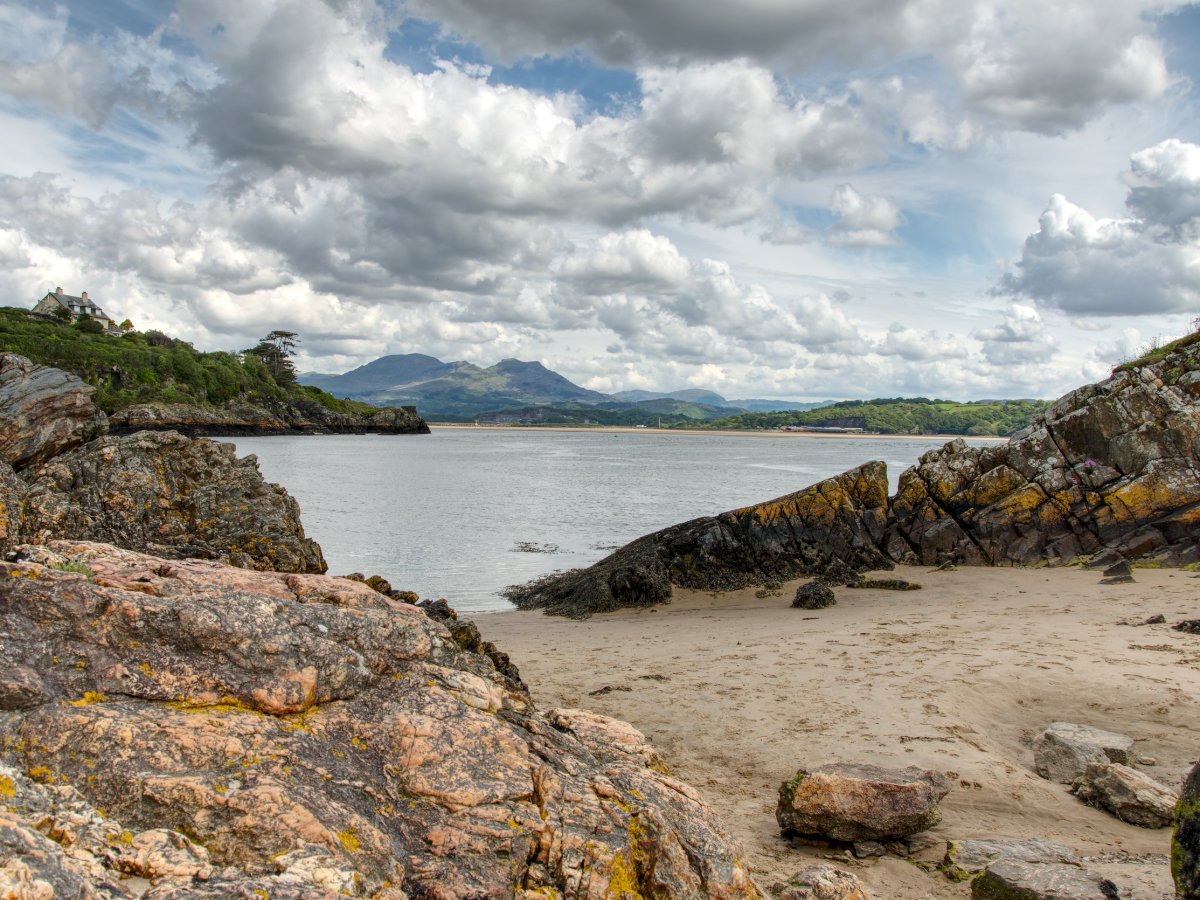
x=151, y=367
x=899, y=415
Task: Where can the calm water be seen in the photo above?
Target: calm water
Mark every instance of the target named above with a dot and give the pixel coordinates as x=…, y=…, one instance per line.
x=447, y=515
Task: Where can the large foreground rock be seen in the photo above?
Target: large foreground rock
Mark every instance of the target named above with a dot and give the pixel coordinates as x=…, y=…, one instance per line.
x=168, y=495
x=1128, y=794
x=314, y=724
x=1064, y=750
x=839, y=521
x=854, y=802
x=43, y=412
x=1185, y=842
x=1013, y=879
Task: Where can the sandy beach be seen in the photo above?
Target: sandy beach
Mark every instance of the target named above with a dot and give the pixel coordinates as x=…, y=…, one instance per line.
x=738, y=692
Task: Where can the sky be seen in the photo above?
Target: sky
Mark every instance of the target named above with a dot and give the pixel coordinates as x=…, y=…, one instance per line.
x=794, y=199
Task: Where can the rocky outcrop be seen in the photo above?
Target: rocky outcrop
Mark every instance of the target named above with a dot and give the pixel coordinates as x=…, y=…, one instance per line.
x=158, y=492
x=1013, y=879
x=299, y=416
x=840, y=520
x=853, y=802
x=171, y=496
x=1112, y=465
x=1113, y=468
x=1185, y=840
x=1128, y=794
x=312, y=725
x=43, y=412
x=1064, y=750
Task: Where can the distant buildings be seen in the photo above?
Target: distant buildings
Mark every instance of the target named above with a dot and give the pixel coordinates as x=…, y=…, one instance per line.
x=76, y=306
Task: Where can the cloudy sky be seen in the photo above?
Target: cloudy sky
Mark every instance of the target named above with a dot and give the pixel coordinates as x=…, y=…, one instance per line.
x=803, y=199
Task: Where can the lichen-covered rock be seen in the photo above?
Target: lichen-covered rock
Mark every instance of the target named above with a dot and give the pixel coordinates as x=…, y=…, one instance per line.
x=43, y=412
x=1111, y=465
x=966, y=859
x=838, y=522
x=823, y=882
x=1185, y=841
x=310, y=728
x=855, y=802
x=293, y=416
x=1128, y=794
x=171, y=496
x=1064, y=750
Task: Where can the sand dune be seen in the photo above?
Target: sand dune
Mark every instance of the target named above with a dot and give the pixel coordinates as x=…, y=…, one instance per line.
x=739, y=691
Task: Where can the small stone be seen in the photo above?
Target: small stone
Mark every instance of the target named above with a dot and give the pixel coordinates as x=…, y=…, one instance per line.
x=868, y=849
x=1188, y=626
x=1013, y=879
x=823, y=882
x=814, y=595
x=1064, y=750
x=1128, y=794
x=1147, y=761
x=1160, y=619
x=1120, y=568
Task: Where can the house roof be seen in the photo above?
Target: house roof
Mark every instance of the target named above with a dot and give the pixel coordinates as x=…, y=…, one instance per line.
x=79, y=305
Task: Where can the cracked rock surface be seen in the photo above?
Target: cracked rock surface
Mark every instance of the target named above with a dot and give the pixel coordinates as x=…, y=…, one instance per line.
x=311, y=725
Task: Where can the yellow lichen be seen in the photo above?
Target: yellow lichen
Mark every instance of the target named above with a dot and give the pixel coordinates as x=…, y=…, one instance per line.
x=623, y=884
x=7, y=788
x=89, y=698
x=349, y=840
x=41, y=774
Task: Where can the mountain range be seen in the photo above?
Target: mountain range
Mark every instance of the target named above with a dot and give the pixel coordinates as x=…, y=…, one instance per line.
x=514, y=390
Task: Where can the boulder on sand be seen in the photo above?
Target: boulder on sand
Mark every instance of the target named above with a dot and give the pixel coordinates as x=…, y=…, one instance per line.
x=857, y=802
x=1014, y=879
x=1128, y=794
x=814, y=595
x=1064, y=750
x=966, y=859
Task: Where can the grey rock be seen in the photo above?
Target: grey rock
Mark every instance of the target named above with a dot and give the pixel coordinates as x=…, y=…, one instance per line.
x=1118, y=568
x=43, y=412
x=1128, y=794
x=965, y=859
x=1117, y=579
x=1064, y=750
x=869, y=849
x=814, y=595
x=1013, y=879
x=856, y=802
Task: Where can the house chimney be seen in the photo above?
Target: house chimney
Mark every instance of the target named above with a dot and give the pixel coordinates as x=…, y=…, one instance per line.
x=58, y=290
x=84, y=296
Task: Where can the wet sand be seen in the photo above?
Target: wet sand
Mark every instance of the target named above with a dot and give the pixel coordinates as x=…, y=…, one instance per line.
x=739, y=691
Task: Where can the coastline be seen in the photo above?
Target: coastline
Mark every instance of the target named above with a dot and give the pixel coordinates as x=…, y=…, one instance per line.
x=700, y=432
x=738, y=692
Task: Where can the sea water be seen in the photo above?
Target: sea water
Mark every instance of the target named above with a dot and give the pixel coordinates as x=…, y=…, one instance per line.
x=462, y=513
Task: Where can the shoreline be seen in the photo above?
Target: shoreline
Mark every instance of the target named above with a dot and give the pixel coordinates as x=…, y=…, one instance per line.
x=699, y=432
x=738, y=692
